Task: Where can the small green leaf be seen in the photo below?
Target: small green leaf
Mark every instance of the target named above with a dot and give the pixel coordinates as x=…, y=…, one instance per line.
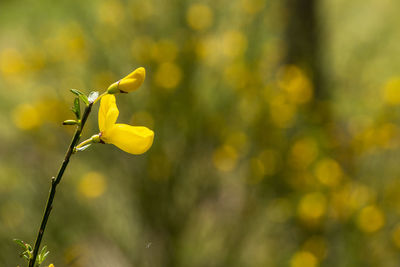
x=77, y=108
x=81, y=95
x=26, y=255
x=44, y=248
x=84, y=99
x=76, y=92
x=20, y=243
x=45, y=256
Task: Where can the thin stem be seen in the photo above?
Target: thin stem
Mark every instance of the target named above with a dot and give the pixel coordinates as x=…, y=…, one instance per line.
x=55, y=181
x=84, y=143
x=100, y=96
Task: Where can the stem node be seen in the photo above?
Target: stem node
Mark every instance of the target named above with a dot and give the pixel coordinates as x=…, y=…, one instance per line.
x=56, y=181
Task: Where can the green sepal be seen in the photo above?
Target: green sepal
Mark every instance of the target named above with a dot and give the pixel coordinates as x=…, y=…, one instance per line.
x=113, y=88
x=76, y=108
x=81, y=95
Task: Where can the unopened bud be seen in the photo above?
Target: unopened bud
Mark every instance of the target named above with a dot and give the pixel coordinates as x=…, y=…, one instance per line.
x=129, y=83
x=70, y=122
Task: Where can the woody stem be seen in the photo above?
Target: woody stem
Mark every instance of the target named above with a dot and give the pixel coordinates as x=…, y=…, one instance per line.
x=55, y=181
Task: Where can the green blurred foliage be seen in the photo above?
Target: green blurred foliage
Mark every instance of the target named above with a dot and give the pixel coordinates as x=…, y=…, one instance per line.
x=248, y=167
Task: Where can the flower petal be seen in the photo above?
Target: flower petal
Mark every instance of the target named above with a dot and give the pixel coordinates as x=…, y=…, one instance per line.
x=133, y=81
x=139, y=72
x=131, y=139
x=108, y=112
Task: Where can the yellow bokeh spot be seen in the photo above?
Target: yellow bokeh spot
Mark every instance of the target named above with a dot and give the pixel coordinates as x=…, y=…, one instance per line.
x=111, y=12
x=349, y=198
x=396, y=236
x=387, y=135
x=225, y=158
x=328, y=172
x=199, y=17
x=52, y=110
x=26, y=117
x=92, y=185
x=238, y=140
x=252, y=6
x=168, y=75
x=303, y=259
x=391, y=91
x=237, y=75
x=282, y=113
x=317, y=246
x=142, y=10
x=76, y=46
x=303, y=153
x=67, y=44
x=208, y=50
x=312, y=207
x=140, y=48
x=234, y=44
x=143, y=118
x=164, y=50
x=11, y=62
x=370, y=219
x=296, y=84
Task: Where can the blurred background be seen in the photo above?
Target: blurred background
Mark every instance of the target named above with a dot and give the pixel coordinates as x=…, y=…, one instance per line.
x=277, y=139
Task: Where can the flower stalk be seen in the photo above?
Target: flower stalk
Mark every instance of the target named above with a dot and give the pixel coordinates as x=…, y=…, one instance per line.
x=56, y=180
x=131, y=139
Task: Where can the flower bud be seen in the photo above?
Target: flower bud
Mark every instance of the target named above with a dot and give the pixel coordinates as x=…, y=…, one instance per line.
x=70, y=122
x=128, y=84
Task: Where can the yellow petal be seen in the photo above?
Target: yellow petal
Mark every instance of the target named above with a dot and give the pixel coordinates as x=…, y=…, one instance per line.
x=108, y=112
x=139, y=72
x=131, y=139
x=133, y=81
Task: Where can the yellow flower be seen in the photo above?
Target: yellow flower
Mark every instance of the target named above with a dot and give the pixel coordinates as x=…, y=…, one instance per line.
x=51, y=265
x=130, y=83
x=131, y=139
